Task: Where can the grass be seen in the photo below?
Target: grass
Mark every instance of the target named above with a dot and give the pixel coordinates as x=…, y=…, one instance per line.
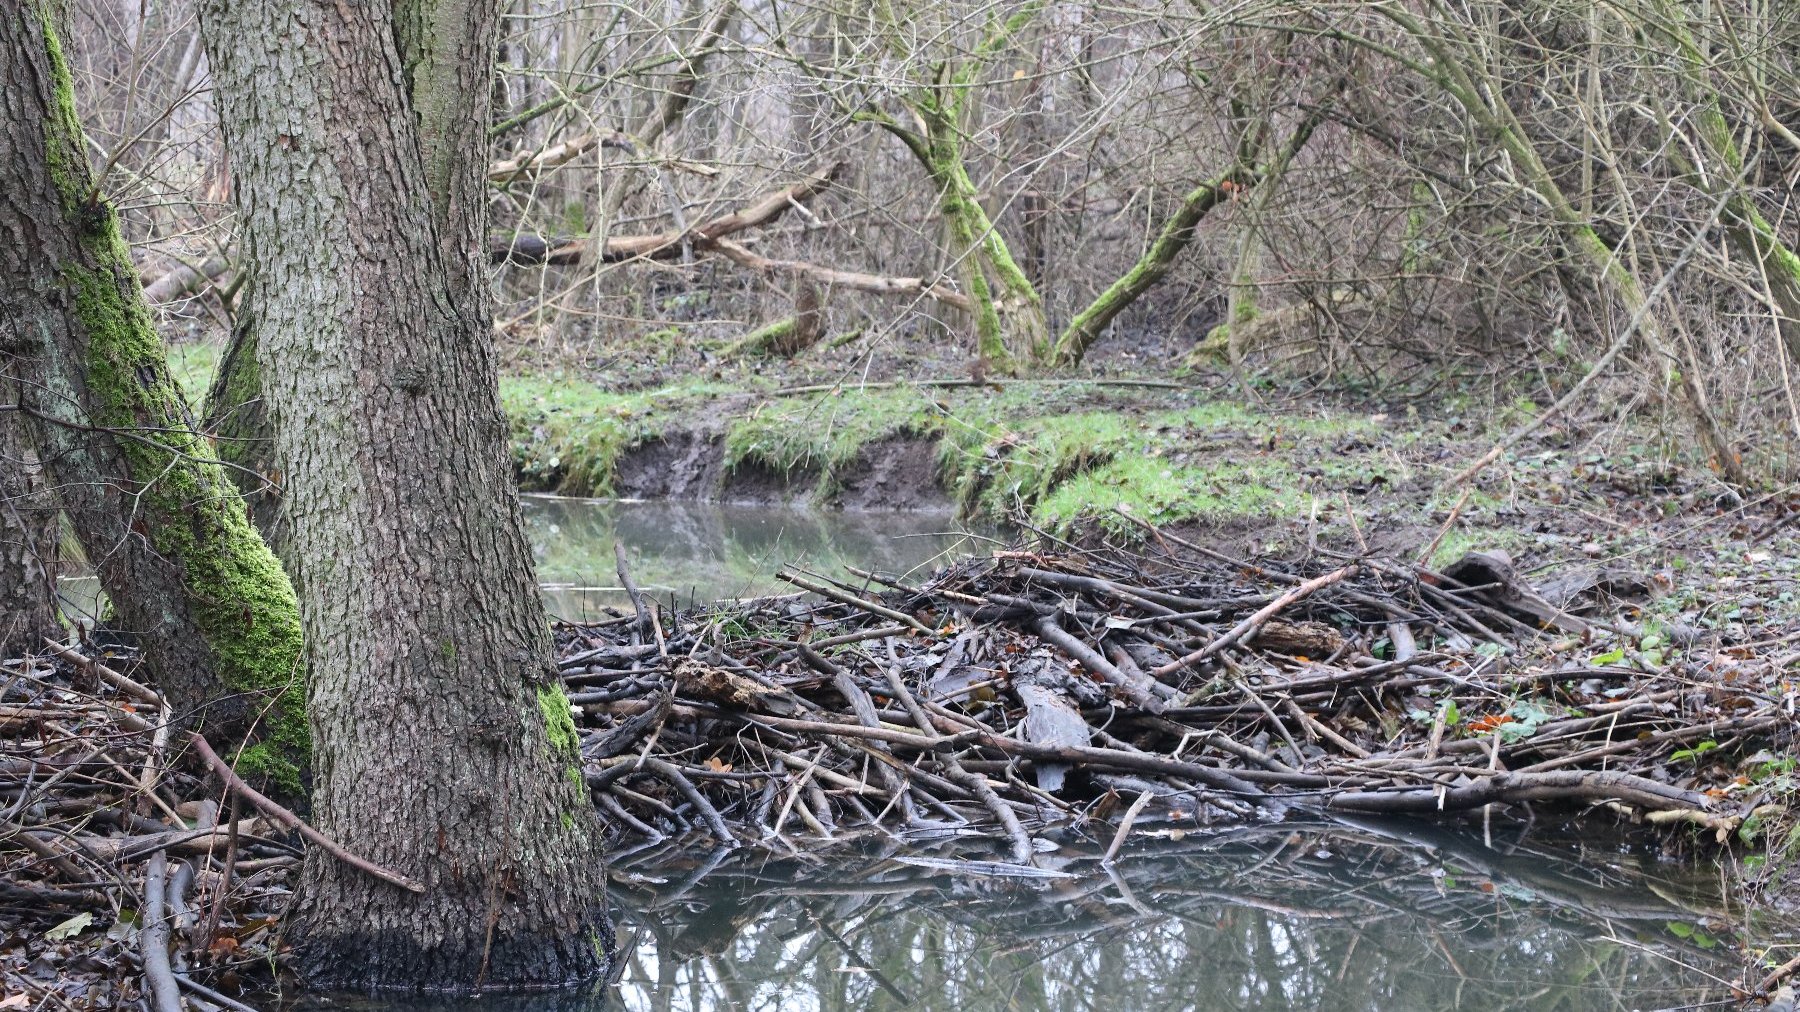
x=823, y=434
x=1055, y=454
x=568, y=434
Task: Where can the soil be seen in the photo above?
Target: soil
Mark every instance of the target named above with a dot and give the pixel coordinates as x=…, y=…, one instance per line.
x=895, y=474
x=683, y=465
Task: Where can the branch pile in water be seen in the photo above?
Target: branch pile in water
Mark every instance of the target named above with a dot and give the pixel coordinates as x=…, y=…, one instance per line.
x=1030, y=692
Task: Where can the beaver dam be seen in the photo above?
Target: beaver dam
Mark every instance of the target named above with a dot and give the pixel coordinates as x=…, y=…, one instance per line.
x=1034, y=722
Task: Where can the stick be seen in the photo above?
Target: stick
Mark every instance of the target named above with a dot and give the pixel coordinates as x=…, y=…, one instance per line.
x=153, y=940
x=294, y=822
x=1131, y=815
x=123, y=684
x=851, y=599
x=1248, y=625
x=631, y=589
x=1135, y=690
x=714, y=820
x=975, y=782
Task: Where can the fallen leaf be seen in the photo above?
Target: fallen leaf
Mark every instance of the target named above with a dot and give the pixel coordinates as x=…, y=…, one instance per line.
x=70, y=928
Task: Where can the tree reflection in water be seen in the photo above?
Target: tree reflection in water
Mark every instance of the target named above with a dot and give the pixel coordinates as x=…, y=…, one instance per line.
x=1370, y=915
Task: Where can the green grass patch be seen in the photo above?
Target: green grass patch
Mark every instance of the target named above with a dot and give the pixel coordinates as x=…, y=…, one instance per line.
x=1215, y=460
x=821, y=434
x=1157, y=492
x=567, y=434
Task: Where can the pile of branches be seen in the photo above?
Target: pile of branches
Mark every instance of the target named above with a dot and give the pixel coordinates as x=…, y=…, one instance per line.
x=125, y=883
x=1028, y=693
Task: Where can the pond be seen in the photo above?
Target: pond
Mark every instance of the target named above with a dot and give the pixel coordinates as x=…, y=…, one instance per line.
x=1352, y=915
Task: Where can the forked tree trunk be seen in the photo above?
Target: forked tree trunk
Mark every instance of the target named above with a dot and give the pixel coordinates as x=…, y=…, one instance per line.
x=443, y=744
x=28, y=529
x=183, y=568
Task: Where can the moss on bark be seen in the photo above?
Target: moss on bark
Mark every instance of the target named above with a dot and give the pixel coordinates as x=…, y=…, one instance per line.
x=236, y=597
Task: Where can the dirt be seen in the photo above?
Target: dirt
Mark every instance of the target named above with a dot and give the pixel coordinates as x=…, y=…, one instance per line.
x=687, y=466
x=898, y=473
x=895, y=474
x=755, y=484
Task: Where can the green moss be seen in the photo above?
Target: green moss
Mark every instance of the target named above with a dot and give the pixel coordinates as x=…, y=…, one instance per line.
x=1159, y=493
x=238, y=595
x=271, y=764
x=564, y=739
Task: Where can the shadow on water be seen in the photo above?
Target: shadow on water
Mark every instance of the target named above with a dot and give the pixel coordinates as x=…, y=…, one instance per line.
x=1365, y=915
x=705, y=551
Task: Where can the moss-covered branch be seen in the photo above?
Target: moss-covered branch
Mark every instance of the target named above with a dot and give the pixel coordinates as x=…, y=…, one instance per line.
x=1008, y=312
x=1177, y=233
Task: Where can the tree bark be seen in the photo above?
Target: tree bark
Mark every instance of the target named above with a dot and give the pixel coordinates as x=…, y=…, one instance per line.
x=216, y=617
x=444, y=747
x=28, y=536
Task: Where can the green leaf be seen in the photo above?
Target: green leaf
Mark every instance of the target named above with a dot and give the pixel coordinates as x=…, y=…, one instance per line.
x=1680, y=930
x=1610, y=657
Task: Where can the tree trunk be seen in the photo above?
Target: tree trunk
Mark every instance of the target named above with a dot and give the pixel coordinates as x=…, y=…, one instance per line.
x=1177, y=233
x=186, y=573
x=28, y=536
x=1010, y=326
x=443, y=743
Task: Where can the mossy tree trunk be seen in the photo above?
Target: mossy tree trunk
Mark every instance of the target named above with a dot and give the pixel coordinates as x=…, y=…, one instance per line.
x=1176, y=235
x=28, y=534
x=1011, y=329
x=443, y=745
x=165, y=530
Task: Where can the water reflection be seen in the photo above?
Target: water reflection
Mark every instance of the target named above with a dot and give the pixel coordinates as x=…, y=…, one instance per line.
x=705, y=551
x=1364, y=916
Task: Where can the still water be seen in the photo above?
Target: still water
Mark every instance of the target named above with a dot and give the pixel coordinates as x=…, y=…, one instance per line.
x=1361, y=915
x=1351, y=916
x=700, y=552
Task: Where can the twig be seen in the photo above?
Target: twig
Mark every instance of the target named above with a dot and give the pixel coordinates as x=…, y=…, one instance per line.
x=851, y=599
x=153, y=939
x=1248, y=625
